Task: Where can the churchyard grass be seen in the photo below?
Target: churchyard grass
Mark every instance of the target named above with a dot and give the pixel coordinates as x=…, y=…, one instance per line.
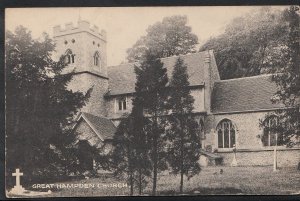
x=233, y=180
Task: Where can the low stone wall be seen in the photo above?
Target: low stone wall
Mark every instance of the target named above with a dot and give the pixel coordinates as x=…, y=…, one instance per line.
x=285, y=157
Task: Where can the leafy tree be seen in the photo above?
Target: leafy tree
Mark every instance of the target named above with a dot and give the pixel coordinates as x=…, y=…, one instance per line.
x=248, y=43
x=167, y=38
x=287, y=77
x=184, y=147
x=39, y=108
x=150, y=88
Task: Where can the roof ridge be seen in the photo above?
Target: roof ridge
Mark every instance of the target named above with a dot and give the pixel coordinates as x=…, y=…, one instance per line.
x=162, y=58
x=243, y=78
x=122, y=64
x=188, y=54
x=95, y=115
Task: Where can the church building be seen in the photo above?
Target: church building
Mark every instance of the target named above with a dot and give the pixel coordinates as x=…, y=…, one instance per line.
x=228, y=112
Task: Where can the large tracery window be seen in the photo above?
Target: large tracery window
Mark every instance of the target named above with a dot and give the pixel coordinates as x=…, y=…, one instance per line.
x=226, y=134
x=70, y=57
x=270, y=136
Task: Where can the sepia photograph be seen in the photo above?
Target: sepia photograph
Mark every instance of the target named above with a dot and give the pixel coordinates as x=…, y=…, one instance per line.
x=152, y=101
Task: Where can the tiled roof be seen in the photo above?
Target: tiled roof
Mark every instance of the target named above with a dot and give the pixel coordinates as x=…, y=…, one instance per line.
x=103, y=126
x=122, y=77
x=244, y=94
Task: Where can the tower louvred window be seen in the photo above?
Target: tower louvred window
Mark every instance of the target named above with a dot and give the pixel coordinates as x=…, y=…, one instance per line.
x=69, y=57
x=96, y=59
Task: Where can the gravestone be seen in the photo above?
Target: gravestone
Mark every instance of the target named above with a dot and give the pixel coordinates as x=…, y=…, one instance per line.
x=17, y=189
x=203, y=161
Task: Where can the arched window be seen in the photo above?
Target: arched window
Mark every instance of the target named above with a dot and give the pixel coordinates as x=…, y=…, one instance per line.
x=226, y=134
x=96, y=59
x=70, y=57
x=201, y=129
x=122, y=103
x=270, y=136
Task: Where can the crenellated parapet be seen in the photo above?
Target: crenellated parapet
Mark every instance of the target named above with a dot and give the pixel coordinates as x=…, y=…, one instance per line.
x=83, y=26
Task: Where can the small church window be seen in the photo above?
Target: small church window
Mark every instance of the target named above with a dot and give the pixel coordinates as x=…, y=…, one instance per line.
x=66, y=42
x=73, y=40
x=226, y=134
x=201, y=129
x=270, y=136
x=122, y=104
x=73, y=58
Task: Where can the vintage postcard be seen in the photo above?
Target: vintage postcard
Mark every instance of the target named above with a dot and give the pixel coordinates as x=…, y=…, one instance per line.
x=152, y=101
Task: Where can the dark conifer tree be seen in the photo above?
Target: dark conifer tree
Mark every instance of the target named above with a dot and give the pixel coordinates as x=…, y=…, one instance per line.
x=123, y=154
x=184, y=140
x=130, y=156
x=151, y=89
x=141, y=130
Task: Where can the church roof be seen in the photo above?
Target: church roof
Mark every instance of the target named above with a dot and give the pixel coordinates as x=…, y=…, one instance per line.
x=122, y=77
x=101, y=125
x=244, y=94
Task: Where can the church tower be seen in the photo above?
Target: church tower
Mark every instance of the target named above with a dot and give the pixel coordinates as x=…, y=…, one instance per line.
x=85, y=50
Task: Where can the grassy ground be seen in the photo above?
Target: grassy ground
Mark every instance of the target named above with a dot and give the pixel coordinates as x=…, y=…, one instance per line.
x=234, y=180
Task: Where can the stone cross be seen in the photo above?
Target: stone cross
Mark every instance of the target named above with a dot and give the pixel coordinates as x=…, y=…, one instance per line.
x=17, y=174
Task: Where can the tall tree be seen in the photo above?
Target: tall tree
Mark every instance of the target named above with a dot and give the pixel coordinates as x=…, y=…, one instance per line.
x=123, y=154
x=184, y=146
x=248, y=43
x=142, y=146
x=150, y=87
x=130, y=157
x=288, y=79
x=39, y=107
x=167, y=38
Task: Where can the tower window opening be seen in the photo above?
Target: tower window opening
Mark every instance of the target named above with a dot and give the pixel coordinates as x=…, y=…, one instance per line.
x=69, y=57
x=96, y=59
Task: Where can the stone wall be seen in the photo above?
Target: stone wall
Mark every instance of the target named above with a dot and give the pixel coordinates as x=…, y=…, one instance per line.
x=96, y=104
x=250, y=150
x=84, y=132
x=285, y=157
x=113, y=107
x=84, y=42
x=198, y=95
x=115, y=113
x=247, y=129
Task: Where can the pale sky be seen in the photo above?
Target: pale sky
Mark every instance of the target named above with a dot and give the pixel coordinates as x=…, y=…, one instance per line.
x=124, y=26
